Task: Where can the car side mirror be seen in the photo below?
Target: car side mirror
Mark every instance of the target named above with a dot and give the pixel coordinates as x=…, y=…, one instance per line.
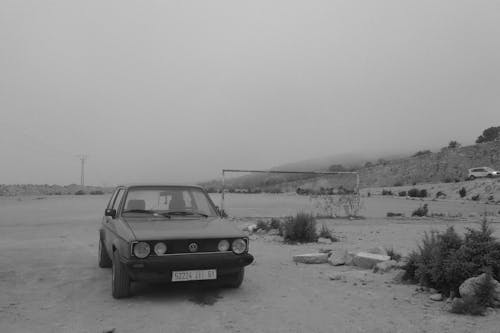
x=110, y=212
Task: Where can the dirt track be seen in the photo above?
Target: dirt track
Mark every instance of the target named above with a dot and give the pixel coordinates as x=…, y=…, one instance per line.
x=50, y=282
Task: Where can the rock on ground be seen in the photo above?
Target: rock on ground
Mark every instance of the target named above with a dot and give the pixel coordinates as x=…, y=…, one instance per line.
x=311, y=258
x=468, y=287
x=368, y=260
x=338, y=258
x=436, y=297
x=385, y=266
x=323, y=240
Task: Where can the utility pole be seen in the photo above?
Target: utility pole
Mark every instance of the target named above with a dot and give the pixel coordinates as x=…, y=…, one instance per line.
x=83, y=159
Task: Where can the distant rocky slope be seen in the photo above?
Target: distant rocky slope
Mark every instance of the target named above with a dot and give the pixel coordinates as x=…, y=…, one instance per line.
x=448, y=165
x=32, y=189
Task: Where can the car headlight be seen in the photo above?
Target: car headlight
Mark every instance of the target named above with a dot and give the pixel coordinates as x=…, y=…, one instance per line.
x=223, y=245
x=239, y=246
x=160, y=248
x=141, y=250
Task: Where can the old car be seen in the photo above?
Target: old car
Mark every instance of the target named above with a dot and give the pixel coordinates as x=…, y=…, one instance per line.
x=169, y=233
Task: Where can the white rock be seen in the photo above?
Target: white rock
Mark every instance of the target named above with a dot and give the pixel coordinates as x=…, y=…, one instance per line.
x=436, y=297
x=385, y=266
x=338, y=258
x=311, y=258
x=323, y=240
x=468, y=287
x=368, y=260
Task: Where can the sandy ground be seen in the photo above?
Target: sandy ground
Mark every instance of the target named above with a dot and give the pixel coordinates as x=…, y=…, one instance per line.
x=50, y=282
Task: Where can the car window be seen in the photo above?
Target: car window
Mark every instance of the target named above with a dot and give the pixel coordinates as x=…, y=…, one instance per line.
x=168, y=199
x=118, y=198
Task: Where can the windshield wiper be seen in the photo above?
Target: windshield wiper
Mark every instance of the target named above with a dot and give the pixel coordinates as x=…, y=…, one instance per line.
x=184, y=213
x=139, y=211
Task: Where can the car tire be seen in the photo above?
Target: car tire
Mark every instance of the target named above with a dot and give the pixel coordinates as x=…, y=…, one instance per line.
x=104, y=259
x=120, y=281
x=235, y=280
x=490, y=176
x=472, y=177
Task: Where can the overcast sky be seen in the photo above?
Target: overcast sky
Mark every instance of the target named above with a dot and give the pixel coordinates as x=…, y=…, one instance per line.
x=177, y=90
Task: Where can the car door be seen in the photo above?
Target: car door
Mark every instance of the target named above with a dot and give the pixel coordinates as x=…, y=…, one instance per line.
x=109, y=221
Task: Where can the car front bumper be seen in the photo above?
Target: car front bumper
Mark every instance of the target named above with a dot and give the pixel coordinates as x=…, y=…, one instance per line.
x=159, y=269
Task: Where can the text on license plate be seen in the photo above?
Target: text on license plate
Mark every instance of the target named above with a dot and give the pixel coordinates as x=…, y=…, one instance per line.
x=207, y=274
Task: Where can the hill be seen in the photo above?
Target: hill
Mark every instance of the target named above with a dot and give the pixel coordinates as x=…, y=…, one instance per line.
x=447, y=165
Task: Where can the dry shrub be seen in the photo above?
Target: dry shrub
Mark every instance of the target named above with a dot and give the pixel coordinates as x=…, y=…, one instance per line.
x=300, y=228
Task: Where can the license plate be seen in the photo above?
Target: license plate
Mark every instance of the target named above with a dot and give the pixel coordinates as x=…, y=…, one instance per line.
x=207, y=274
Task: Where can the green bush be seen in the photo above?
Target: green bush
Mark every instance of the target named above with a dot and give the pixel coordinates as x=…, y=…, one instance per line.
x=402, y=194
x=484, y=297
x=326, y=233
x=421, y=211
x=393, y=254
x=300, y=228
x=462, y=192
x=475, y=197
x=386, y=192
x=416, y=193
x=80, y=192
x=445, y=260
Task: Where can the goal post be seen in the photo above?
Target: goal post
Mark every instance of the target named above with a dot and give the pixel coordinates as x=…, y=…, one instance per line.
x=309, y=173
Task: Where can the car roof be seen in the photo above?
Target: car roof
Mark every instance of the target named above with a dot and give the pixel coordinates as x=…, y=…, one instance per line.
x=158, y=185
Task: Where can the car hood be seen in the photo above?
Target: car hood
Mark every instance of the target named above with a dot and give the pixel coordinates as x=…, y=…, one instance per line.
x=156, y=228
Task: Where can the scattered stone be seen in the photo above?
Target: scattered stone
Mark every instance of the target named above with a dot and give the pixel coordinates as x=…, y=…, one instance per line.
x=385, y=266
x=311, y=258
x=368, y=260
x=436, y=297
x=323, y=240
x=338, y=258
x=335, y=277
x=468, y=287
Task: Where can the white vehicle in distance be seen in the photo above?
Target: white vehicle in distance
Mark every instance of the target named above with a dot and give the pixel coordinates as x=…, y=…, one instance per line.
x=482, y=172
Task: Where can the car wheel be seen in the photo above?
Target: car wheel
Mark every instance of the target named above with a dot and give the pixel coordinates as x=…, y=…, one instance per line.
x=472, y=177
x=235, y=280
x=120, y=281
x=104, y=259
x=490, y=175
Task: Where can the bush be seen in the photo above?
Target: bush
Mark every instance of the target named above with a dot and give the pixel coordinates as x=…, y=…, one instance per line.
x=445, y=260
x=416, y=193
x=421, y=211
x=402, y=194
x=391, y=214
x=440, y=194
x=326, y=233
x=263, y=225
x=386, y=192
x=275, y=223
x=80, y=192
x=475, y=197
x=462, y=192
x=421, y=153
x=398, y=183
x=393, y=254
x=97, y=192
x=300, y=228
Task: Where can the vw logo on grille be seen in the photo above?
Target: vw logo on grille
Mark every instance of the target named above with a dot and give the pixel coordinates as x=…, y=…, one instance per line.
x=193, y=247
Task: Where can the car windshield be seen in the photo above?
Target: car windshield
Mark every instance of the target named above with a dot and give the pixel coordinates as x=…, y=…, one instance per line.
x=168, y=202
